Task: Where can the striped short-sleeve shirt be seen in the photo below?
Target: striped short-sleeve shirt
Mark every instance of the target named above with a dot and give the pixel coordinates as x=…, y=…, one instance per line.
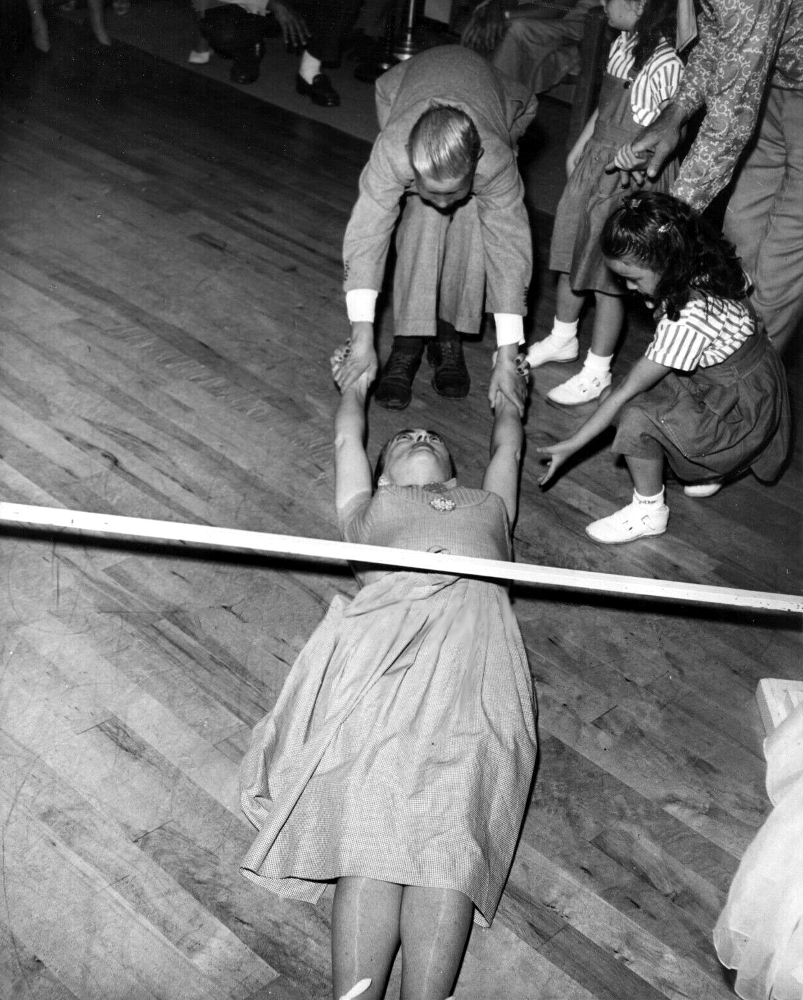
x=656, y=81
x=707, y=331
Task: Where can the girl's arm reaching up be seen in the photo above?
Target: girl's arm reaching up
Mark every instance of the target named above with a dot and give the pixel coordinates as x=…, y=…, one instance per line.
x=642, y=376
x=352, y=468
x=507, y=436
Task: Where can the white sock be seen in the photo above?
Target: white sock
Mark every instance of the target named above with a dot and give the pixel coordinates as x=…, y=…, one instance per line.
x=597, y=364
x=656, y=501
x=562, y=332
x=310, y=67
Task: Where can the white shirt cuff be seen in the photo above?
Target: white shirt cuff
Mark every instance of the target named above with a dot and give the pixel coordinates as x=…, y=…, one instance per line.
x=361, y=305
x=509, y=329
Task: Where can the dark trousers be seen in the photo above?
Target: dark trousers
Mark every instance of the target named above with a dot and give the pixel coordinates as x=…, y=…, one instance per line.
x=230, y=30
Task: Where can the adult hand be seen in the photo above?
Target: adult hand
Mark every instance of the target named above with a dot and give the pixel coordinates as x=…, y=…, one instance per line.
x=294, y=29
x=558, y=453
x=355, y=358
x=485, y=27
x=510, y=377
x=648, y=152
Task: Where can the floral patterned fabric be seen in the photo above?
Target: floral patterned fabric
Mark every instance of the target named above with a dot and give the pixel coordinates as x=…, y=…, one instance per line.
x=743, y=46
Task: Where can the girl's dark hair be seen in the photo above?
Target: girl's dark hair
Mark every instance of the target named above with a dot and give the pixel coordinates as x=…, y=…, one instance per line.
x=662, y=233
x=657, y=23
x=379, y=468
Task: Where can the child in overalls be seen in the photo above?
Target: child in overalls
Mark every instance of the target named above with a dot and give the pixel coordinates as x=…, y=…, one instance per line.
x=642, y=75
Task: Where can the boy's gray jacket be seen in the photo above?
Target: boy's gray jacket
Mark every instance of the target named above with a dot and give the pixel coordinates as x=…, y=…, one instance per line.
x=501, y=111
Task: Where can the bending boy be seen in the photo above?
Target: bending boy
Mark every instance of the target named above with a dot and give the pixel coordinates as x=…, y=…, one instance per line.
x=446, y=160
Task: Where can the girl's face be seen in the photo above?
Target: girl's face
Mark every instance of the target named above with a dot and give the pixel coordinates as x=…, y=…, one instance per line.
x=623, y=14
x=417, y=457
x=636, y=276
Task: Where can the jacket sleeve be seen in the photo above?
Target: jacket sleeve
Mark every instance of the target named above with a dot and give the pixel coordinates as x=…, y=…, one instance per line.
x=507, y=243
x=370, y=228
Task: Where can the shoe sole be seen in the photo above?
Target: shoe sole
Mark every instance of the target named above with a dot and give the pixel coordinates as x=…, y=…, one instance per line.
x=450, y=395
x=555, y=361
x=626, y=541
x=569, y=406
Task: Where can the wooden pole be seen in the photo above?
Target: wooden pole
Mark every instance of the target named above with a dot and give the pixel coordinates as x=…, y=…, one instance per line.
x=439, y=562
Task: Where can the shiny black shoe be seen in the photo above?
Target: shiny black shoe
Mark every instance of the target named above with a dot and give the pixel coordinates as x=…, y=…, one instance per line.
x=320, y=91
x=395, y=389
x=245, y=67
x=451, y=376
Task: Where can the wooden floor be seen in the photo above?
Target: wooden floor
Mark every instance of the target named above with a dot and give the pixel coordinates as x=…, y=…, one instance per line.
x=170, y=291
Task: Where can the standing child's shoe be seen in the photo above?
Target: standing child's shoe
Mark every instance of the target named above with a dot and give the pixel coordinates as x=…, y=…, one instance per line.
x=631, y=522
x=702, y=490
x=552, y=349
x=580, y=388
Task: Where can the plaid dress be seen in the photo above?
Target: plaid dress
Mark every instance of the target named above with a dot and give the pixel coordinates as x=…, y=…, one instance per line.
x=402, y=746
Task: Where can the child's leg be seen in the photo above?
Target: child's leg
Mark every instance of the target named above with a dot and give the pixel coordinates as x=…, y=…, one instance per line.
x=595, y=376
x=647, y=475
x=365, y=934
x=561, y=344
x=435, y=924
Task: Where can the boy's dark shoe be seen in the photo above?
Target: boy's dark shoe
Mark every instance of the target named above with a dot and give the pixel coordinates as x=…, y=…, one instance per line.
x=451, y=376
x=246, y=64
x=395, y=389
x=320, y=91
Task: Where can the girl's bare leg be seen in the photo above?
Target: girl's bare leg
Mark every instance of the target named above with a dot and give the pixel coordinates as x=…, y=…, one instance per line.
x=568, y=303
x=97, y=21
x=435, y=924
x=647, y=474
x=365, y=934
x=609, y=315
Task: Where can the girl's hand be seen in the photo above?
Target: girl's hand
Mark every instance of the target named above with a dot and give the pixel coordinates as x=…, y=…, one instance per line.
x=629, y=161
x=558, y=453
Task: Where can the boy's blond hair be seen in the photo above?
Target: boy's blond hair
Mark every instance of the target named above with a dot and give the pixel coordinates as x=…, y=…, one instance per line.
x=444, y=144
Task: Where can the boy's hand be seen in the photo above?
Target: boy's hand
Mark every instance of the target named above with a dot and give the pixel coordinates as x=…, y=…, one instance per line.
x=510, y=377
x=356, y=357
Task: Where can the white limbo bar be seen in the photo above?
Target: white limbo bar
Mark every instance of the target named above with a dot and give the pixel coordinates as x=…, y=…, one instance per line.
x=439, y=562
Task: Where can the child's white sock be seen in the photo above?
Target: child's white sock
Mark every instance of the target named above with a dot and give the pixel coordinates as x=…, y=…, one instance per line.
x=597, y=364
x=561, y=332
x=310, y=67
x=656, y=501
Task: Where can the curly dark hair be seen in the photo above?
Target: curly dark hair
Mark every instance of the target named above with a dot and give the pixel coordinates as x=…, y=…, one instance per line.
x=662, y=233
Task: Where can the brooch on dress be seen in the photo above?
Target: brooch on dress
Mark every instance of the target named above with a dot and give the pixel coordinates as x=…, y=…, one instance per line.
x=442, y=503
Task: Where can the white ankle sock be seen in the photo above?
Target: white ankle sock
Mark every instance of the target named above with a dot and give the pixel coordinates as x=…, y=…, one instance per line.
x=597, y=364
x=656, y=501
x=562, y=332
x=310, y=67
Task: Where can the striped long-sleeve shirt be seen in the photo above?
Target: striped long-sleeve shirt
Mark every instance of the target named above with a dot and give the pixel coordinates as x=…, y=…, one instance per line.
x=656, y=82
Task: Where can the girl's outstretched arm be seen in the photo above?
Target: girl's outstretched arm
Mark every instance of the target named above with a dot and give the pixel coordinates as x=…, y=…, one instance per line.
x=642, y=376
x=507, y=436
x=352, y=468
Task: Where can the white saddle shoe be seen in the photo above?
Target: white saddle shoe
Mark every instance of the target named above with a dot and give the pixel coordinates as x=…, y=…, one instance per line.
x=544, y=351
x=629, y=523
x=580, y=388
